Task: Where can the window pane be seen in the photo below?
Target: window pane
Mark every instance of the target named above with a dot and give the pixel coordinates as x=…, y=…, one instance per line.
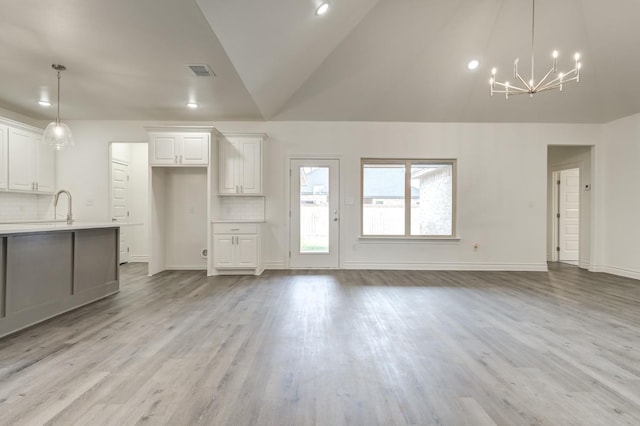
x=431, y=199
x=314, y=209
x=383, y=201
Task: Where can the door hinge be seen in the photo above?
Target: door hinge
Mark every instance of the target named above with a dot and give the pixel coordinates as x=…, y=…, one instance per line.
x=127, y=178
x=128, y=250
x=289, y=213
x=558, y=182
x=289, y=172
x=289, y=254
x=127, y=214
x=558, y=215
x=557, y=248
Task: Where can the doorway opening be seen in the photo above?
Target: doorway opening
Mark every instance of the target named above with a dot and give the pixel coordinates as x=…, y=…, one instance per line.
x=569, y=204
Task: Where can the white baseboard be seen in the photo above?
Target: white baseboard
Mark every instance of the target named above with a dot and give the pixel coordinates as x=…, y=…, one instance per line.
x=623, y=272
x=275, y=265
x=139, y=259
x=185, y=268
x=421, y=266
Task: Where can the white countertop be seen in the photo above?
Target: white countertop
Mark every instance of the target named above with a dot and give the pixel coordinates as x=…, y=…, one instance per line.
x=20, y=228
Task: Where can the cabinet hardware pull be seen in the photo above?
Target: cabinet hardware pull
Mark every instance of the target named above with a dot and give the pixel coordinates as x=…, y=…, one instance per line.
x=242, y=189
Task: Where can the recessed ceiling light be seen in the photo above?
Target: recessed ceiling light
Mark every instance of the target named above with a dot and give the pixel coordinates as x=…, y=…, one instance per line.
x=44, y=103
x=473, y=64
x=192, y=105
x=322, y=8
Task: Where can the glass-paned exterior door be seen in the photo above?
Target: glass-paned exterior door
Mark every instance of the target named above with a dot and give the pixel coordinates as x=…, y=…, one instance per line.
x=315, y=218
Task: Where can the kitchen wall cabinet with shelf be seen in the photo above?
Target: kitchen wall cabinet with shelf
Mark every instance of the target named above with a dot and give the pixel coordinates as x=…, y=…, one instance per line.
x=179, y=149
x=236, y=248
x=180, y=172
x=240, y=164
x=30, y=164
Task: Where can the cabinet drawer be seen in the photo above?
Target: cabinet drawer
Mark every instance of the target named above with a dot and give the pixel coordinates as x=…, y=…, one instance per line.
x=235, y=228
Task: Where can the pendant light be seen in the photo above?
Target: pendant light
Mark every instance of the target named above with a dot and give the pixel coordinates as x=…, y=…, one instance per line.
x=57, y=134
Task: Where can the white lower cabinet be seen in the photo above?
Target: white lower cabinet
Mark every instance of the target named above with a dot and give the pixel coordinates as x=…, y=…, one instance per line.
x=236, y=248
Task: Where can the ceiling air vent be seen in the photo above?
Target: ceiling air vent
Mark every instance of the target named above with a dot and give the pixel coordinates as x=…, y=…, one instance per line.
x=202, y=70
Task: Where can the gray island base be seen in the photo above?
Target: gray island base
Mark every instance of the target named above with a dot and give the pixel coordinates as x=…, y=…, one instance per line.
x=46, y=273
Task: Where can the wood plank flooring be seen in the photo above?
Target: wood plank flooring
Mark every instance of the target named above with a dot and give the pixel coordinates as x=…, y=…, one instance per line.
x=335, y=348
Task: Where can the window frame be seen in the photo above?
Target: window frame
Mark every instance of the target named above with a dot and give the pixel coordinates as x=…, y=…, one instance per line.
x=408, y=162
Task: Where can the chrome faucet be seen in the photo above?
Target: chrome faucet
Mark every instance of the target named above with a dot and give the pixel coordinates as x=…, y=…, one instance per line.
x=55, y=204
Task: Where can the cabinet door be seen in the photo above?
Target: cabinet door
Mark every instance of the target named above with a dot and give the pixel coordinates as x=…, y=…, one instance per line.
x=45, y=176
x=163, y=149
x=21, y=163
x=4, y=161
x=195, y=149
x=223, y=251
x=227, y=178
x=250, y=166
x=247, y=251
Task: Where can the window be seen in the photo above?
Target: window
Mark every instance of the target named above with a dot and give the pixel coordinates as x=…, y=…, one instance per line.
x=408, y=198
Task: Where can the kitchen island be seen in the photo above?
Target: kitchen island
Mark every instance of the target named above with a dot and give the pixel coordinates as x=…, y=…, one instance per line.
x=50, y=268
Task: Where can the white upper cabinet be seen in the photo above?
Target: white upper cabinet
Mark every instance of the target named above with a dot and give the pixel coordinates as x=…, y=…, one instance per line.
x=179, y=149
x=31, y=164
x=4, y=161
x=241, y=164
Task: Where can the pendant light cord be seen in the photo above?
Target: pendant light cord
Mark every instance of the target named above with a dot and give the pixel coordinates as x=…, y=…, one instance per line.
x=533, y=35
x=58, y=113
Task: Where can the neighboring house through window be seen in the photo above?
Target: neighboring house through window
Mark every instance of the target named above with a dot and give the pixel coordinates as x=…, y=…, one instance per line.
x=408, y=198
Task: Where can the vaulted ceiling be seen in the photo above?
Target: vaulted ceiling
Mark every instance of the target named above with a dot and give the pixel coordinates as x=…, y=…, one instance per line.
x=366, y=60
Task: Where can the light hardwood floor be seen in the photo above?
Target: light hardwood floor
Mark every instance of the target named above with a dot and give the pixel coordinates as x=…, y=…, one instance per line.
x=335, y=348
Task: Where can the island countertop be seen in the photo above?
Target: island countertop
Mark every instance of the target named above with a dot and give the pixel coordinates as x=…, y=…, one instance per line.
x=27, y=227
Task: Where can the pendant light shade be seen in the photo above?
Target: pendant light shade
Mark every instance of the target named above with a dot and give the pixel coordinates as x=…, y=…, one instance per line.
x=57, y=134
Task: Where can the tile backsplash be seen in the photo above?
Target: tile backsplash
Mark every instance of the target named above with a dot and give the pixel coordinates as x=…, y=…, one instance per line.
x=242, y=208
x=16, y=206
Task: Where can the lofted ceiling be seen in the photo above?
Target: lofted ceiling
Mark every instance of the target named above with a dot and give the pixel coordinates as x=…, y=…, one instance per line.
x=366, y=60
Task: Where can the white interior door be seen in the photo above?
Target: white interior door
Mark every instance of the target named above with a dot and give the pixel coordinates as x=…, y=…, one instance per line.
x=120, y=204
x=315, y=214
x=569, y=222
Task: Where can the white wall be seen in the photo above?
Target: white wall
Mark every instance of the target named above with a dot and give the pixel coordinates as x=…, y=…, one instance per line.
x=502, y=184
x=186, y=225
x=620, y=207
x=139, y=202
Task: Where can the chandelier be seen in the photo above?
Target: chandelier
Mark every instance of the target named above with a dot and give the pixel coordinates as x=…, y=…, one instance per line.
x=551, y=80
x=57, y=134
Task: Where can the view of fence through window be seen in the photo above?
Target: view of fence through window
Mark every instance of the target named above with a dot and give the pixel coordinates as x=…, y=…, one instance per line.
x=428, y=187
x=314, y=209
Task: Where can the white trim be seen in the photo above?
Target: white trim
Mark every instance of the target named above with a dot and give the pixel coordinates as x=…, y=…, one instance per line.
x=446, y=266
x=279, y=264
x=622, y=272
x=408, y=240
x=185, y=268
